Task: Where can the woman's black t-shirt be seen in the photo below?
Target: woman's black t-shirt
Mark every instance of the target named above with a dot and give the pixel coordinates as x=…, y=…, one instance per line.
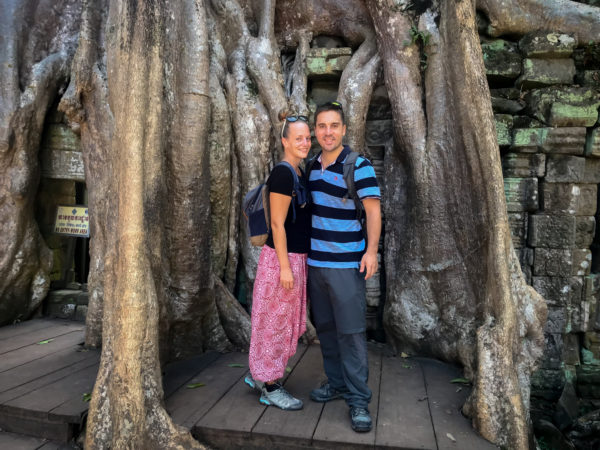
x=297, y=233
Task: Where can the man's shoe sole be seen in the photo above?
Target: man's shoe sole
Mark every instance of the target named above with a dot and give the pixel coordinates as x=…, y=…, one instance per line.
x=361, y=429
x=325, y=399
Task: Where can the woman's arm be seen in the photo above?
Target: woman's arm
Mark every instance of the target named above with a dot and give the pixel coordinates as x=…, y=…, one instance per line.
x=279, y=205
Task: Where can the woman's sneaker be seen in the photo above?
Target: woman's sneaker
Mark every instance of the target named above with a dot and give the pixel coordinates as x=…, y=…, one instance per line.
x=254, y=384
x=280, y=398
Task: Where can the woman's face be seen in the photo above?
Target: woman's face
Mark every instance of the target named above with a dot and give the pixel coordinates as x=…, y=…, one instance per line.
x=297, y=143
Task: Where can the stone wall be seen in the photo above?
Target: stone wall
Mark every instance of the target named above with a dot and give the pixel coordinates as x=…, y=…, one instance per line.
x=546, y=96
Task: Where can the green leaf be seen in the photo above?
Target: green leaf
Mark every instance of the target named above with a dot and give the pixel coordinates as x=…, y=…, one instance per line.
x=45, y=342
x=407, y=366
x=87, y=397
x=235, y=365
x=195, y=385
x=288, y=369
x=460, y=380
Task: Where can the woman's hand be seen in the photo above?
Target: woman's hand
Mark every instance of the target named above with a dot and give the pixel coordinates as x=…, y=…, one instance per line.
x=286, y=278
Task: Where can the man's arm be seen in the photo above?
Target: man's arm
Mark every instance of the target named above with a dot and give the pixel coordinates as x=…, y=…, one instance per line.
x=373, y=215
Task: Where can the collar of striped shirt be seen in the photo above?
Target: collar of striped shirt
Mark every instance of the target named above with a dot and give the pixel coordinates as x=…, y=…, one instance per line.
x=341, y=158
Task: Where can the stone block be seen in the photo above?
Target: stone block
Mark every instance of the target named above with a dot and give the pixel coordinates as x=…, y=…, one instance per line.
x=82, y=298
x=527, y=140
x=526, y=122
x=81, y=312
x=541, y=44
x=59, y=136
x=565, y=169
x=378, y=132
x=328, y=62
x=518, y=223
x=585, y=227
x=582, y=262
x=502, y=60
x=63, y=165
x=61, y=310
x=550, y=262
x=569, y=198
x=565, y=140
x=504, y=129
x=567, y=407
x=588, y=381
x=546, y=72
x=62, y=296
x=564, y=107
x=551, y=231
x=589, y=78
x=559, y=292
x=547, y=383
x=521, y=165
x=570, y=353
x=558, y=320
x=521, y=194
x=591, y=172
x=379, y=107
x=592, y=143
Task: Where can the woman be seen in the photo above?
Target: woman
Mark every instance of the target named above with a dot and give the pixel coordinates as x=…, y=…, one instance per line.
x=279, y=297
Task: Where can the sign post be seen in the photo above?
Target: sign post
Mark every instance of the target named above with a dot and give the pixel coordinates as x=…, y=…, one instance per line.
x=72, y=221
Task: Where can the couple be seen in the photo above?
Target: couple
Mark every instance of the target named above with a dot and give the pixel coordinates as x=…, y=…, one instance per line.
x=328, y=238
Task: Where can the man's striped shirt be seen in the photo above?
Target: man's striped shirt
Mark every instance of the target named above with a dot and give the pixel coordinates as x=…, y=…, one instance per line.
x=336, y=236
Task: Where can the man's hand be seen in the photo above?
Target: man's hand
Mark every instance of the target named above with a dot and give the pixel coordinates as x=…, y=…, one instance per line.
x=369, y=262
x=286, y=278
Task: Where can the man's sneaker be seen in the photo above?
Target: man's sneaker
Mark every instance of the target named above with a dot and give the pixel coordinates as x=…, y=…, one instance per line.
x=360, y=419
x=254, y=384
x=326, y=393
x=280, y=398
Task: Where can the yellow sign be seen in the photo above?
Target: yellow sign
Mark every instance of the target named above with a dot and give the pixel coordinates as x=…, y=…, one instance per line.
x=72, y=221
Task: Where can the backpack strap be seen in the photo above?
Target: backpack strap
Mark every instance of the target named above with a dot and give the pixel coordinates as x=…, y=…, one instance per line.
x=296, y=186
x=349, y=168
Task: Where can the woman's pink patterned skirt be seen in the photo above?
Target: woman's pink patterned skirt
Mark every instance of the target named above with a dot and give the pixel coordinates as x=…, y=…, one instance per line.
x=278, y=315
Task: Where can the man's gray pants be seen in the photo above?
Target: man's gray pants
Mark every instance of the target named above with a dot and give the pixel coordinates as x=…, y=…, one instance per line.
x=338, y=304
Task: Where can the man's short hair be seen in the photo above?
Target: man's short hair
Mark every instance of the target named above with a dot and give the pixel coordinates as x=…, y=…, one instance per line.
x=330, y=106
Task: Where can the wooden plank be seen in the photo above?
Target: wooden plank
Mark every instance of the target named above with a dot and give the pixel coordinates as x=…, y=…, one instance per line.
x=52, y=332
x=186, y=406
x=11, y=441
x=298, y=427
x=334, y=429
x=29, y=353
x=445, y=405
x=176, y=374
x=45, y=365
x=234, y=415
x=92, y=359
x=29, y=326
x=403, y=420
x=40, y=402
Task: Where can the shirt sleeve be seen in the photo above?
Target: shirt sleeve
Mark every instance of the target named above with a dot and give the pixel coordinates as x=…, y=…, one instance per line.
x=281, y=181
x=365, y=181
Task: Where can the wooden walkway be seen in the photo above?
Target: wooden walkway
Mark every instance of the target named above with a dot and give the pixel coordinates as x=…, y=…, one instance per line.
x=44, y=374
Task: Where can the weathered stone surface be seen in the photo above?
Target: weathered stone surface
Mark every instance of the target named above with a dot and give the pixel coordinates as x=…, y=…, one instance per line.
x=570, y=354
x=552, y=231
x=327, y=61
x=503, y=129
x=526, y=122
x=502, y=60
x=80, y=313
x=548, y=45
x=61, y=310
x=527, y=140
x=559, y=291
x=549, y=262
x=518, y=223
x=585, y=433
x=521, y=194
x=558, y=320
x=592, y=170
x=585, y=227
x=564, y=107
x=588, y=381
x=580, y=317
x=565, y=169
x=568, y=198
x=63, y=164
x=567, y=407
x=378, y=132
x=520, y=165
x=589, y=78
x=59, y=136
x=379, y=107
x=546, y=432
x=547, y=383
x=565, y=140
x=592, y=143
x=546, y=72
x=582, y=261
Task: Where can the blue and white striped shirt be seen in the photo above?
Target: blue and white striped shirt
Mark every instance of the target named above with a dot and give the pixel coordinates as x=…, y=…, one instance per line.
x=336, y=237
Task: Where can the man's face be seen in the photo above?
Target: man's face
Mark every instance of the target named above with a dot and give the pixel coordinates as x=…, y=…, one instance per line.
x=298, y=142
x=329, y=130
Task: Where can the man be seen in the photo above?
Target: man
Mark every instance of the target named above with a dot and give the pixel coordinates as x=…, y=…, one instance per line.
x=339, y=264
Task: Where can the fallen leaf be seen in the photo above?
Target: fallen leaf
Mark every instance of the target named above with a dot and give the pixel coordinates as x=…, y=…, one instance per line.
x=195, y=385
x=87, y=397
x=45, y=342
x=235, y=365
x=288, y=370
x=460, y=380
x=450, y=437
x=407, y=366
x=404, y=355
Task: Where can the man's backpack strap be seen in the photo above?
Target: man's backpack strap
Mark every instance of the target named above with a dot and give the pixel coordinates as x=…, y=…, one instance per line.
x=349, y=167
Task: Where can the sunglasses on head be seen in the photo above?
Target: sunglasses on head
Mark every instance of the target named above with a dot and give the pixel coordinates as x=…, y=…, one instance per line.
x=338, y=105
x=292, y=119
